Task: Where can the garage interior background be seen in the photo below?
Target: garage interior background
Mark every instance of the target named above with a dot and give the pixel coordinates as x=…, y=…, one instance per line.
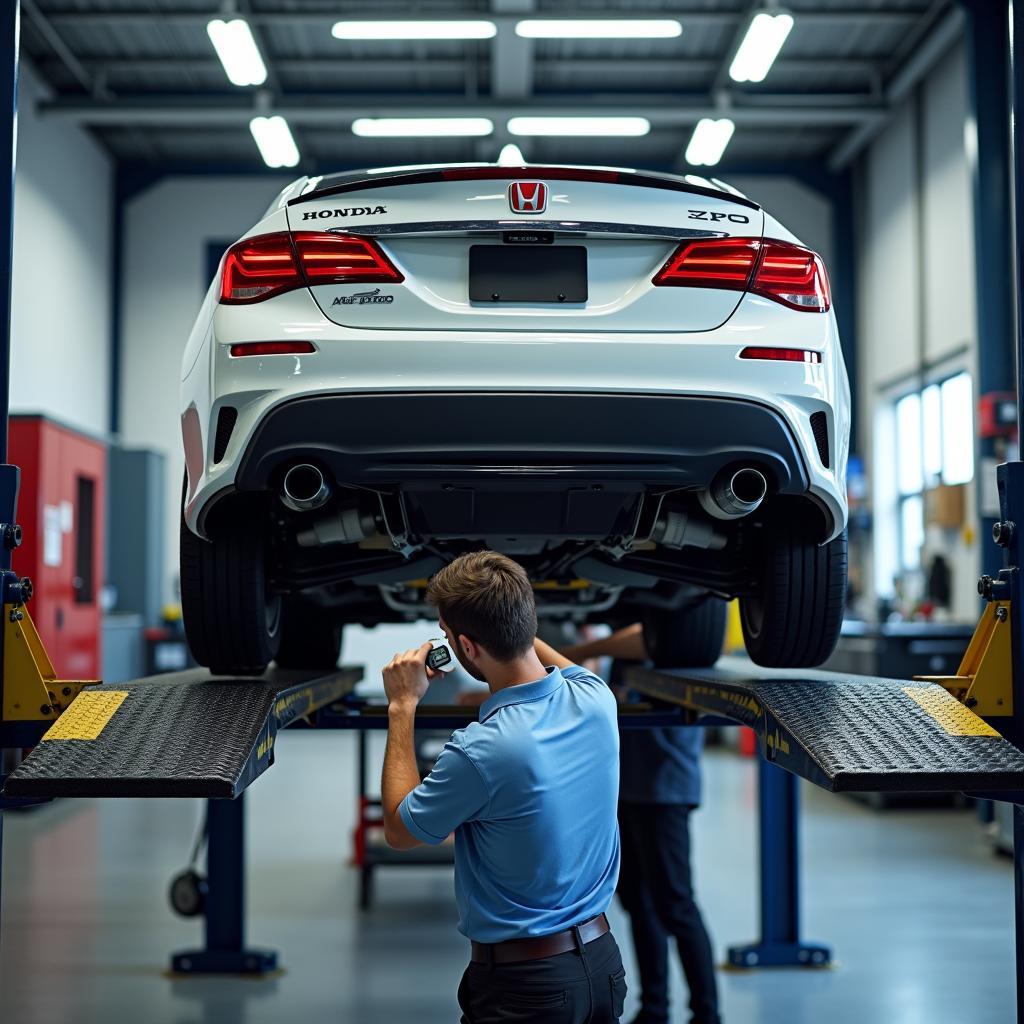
x=135, y=162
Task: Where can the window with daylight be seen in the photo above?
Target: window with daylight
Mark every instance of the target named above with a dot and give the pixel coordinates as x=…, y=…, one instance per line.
x=934, y=443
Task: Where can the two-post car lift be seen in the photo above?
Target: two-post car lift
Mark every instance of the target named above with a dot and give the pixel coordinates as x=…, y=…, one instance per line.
x=191, y=734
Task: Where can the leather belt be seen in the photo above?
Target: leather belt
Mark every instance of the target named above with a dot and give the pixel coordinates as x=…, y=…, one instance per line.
x=516, y=950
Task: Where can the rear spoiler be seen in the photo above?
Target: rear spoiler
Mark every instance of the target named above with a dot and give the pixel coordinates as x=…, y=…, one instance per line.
x=611, y=177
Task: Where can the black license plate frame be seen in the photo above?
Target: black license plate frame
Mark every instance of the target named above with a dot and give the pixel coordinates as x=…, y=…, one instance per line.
x=536, y=274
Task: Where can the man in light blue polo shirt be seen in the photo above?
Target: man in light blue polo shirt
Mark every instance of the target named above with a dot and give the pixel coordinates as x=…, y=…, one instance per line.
x=530, y=791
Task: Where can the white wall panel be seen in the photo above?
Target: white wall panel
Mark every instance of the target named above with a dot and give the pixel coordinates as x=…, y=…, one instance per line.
x=60, y=317
x=947, y=215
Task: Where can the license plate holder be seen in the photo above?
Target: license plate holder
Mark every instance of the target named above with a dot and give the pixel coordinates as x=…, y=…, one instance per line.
x=528, y=273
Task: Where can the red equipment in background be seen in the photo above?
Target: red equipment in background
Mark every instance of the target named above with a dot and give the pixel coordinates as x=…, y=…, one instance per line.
x=61, y=509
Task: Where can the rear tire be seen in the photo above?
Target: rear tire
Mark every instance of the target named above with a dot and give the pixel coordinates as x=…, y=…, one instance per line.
x=232, y=621
x=310, y=637
x=792, y=620
x=689, y=637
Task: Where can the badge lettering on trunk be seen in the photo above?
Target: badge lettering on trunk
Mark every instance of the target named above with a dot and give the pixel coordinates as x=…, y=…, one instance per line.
x=528, y=197
x=362, y=298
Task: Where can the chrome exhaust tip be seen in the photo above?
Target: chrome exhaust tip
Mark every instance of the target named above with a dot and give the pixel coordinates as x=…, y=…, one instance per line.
x=304, y=488
x=734, y=493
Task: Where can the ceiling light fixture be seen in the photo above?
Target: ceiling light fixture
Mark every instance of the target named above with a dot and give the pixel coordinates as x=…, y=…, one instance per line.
x=761, y=44
x=389, y=30
x=420, y=127
x=579, y=126
x=708, y=142
x=237, y=50
x=274, y=140
x=599, y=28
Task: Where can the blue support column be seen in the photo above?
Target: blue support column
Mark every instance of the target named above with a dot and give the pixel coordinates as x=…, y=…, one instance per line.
x=779, y=850
x=224, y=951
x=989, y=161
x=9, y=28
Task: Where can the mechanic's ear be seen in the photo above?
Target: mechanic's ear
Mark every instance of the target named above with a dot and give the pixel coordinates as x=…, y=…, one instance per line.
x=469, y=649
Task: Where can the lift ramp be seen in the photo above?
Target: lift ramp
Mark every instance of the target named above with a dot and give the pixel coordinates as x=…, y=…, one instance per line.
x=183, y=734
x=846, y=733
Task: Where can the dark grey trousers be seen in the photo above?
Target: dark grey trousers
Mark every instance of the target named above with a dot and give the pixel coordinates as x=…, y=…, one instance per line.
x=585, y=986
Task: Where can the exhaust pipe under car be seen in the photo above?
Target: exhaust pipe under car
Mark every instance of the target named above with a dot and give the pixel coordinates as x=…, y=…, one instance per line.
x=734, y=493
x=304, y=488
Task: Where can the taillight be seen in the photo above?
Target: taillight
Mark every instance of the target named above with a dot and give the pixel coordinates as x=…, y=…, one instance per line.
x=711, y=263
x=793, y=276
x=781, y=271
x=258, y=268
x=786, y=355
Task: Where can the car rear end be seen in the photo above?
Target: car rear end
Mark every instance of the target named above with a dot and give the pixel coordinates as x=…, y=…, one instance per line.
x=428, y=329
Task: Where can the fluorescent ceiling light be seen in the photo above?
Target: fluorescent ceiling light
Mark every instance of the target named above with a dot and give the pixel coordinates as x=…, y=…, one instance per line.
x=710, y=137
x=511, y=156
x=765, y=36
x=385, y=30
x=416, y=127
x=579, y=125
x=275, y=142
x=237, y=51
x=599, y=28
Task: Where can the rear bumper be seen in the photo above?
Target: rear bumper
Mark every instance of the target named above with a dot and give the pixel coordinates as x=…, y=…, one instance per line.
x=391, y=439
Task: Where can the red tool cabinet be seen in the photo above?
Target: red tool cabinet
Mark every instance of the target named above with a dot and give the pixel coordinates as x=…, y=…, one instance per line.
x=61, y=510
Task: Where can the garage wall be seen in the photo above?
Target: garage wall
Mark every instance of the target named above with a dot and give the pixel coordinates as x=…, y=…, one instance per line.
x=60, y=321
x=167, y=231
x=916, y=295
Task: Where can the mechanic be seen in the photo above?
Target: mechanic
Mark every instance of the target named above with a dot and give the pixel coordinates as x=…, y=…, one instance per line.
x=530, y=791
x=660, y=788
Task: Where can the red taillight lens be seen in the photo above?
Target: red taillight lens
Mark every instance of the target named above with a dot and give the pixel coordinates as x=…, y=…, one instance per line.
x=335, y=259
x=781, y=271
x=788, y=355
x=267, y=265
x=272, y=348
x=793, y=276
x=711, y=263
x=257, y=268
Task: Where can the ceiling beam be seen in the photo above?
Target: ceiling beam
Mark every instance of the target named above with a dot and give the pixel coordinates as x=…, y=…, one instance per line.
x=455, y=66
x=77, y=18
x=935, y=46
x=661, y=111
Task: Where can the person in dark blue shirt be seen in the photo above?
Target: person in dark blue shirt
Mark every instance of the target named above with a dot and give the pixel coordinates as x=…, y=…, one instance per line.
x=530, y=791
x=660, y=787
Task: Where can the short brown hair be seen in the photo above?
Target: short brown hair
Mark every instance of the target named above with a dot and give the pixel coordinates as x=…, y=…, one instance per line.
x=487, y=597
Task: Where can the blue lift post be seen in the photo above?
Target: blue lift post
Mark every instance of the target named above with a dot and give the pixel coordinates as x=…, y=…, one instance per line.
x=1011, y=475
x=778, y=821
x=9, y=24
x=224, y=951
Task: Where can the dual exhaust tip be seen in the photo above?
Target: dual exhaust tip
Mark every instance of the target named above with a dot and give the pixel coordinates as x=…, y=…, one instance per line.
x=734, y=493
x=304, y=488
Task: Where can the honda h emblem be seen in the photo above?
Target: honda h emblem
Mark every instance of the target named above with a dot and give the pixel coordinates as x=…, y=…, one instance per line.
x=528, y=196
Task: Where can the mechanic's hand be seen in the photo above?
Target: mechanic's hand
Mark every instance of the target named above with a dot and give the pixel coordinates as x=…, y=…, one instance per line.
x=472, y=698
x=406, y=676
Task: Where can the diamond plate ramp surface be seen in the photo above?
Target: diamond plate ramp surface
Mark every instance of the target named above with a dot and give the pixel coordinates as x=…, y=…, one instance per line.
x=185, y=734
x=850, y=733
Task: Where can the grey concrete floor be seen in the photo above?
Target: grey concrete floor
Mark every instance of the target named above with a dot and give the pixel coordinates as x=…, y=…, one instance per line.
x=917, y=909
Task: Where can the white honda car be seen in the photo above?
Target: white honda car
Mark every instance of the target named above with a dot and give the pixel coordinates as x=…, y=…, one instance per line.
x=630, y=382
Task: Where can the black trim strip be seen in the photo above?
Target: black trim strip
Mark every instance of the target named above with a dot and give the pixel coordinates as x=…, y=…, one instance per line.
x=614, y=177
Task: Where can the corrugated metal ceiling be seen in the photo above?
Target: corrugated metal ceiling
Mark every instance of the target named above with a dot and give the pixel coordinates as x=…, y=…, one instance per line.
x=135, y=70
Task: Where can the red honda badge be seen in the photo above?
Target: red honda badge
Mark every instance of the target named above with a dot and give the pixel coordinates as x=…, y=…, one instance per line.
x=528, y=196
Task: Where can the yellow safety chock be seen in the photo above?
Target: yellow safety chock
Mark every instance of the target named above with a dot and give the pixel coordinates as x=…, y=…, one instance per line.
x=984, y=680
x=31, y=690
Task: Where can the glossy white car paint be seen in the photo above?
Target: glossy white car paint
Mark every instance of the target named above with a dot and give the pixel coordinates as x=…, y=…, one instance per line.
x=629, y=337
